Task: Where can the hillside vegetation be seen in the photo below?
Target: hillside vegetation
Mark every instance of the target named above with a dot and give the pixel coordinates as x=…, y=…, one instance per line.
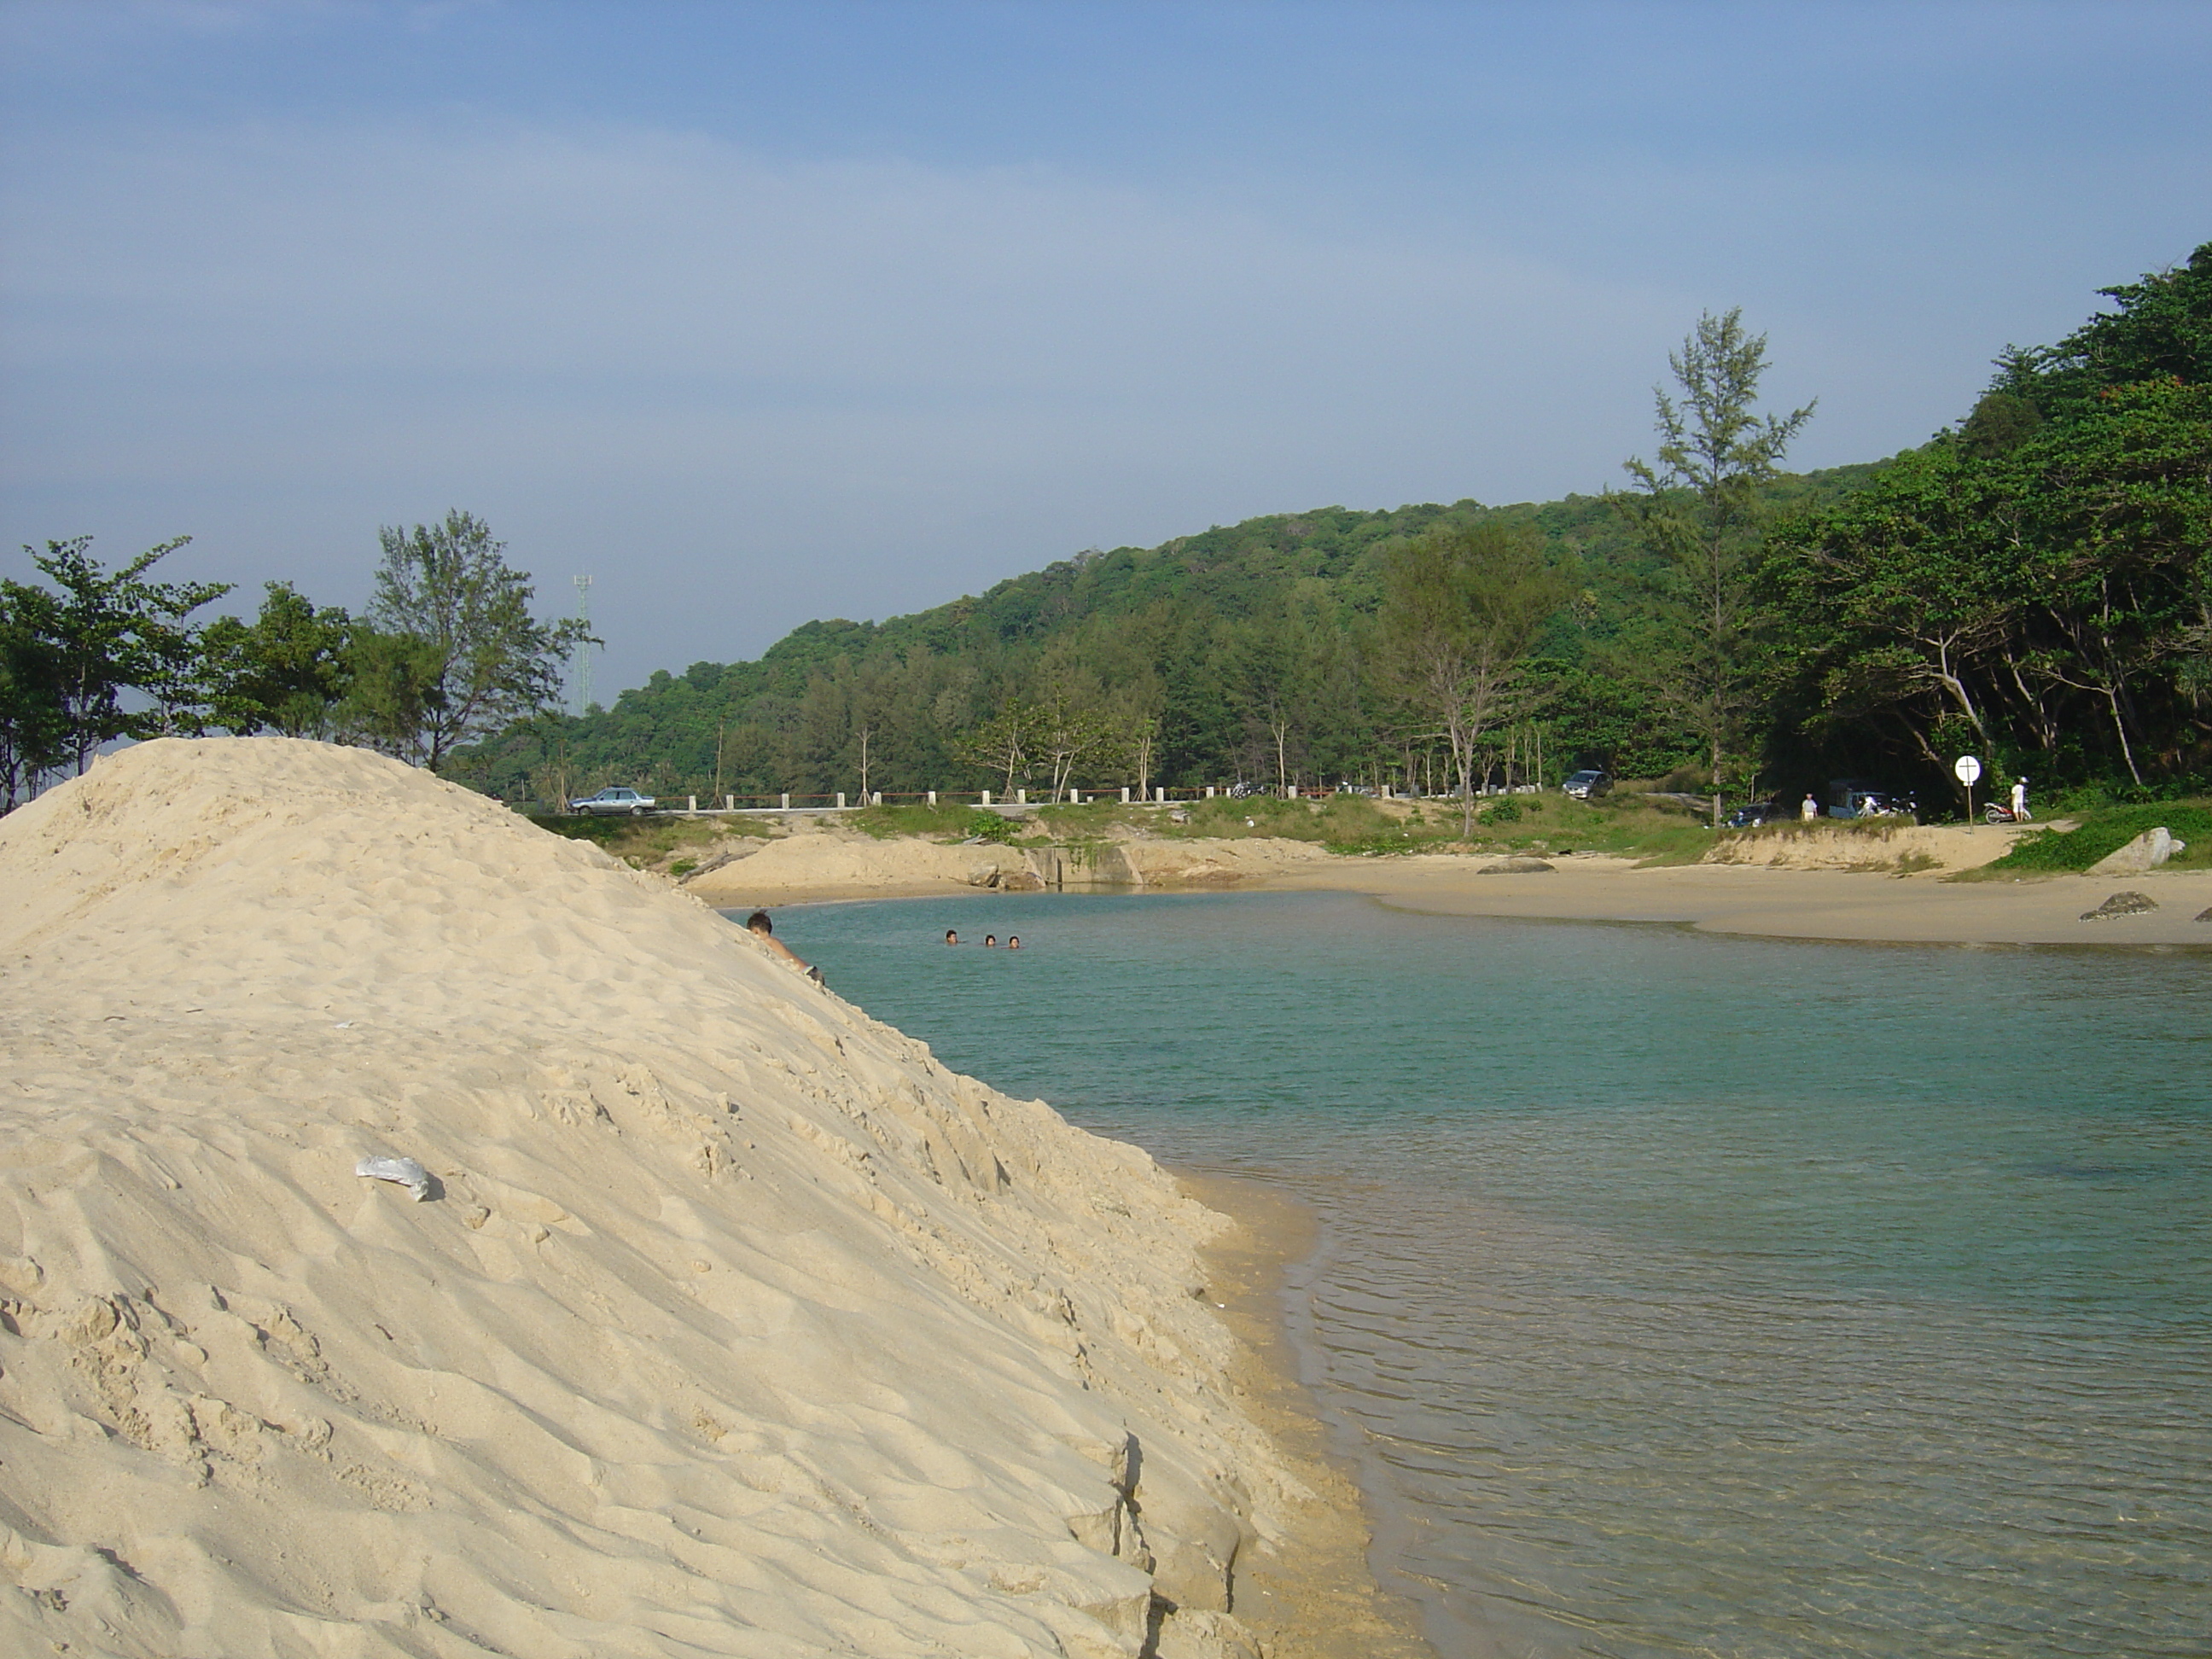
x=2034, y=586
x=1209, y=634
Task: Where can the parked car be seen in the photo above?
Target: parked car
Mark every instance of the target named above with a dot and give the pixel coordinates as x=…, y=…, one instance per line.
x=1586, y=785
x=1754, y=813
x=1863, y=798
x=614, y=800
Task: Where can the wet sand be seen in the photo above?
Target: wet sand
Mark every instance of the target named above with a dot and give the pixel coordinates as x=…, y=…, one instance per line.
x=1311, y=1592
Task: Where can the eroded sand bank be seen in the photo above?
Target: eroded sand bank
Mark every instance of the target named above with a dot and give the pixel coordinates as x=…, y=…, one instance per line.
x=733, y=1323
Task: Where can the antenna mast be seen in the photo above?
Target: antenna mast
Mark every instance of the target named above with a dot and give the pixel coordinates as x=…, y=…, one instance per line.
x=582, y=680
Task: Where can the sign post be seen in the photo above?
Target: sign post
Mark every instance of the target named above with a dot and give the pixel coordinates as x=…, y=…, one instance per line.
x=1969, y=769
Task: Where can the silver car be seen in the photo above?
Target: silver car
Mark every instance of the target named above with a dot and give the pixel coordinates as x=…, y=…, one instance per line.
x=614, y=800
x=1586, y=785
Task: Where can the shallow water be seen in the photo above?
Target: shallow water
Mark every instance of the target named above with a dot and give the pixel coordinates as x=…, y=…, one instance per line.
x=1676, y=1294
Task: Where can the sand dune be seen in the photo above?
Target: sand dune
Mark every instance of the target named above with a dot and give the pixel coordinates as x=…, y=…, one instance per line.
x=733, y=1323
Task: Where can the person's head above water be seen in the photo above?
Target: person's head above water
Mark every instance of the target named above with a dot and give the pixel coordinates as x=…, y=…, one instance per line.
x=1013, y=941
x=990, y=941
x=952, y=938
x=758, y=922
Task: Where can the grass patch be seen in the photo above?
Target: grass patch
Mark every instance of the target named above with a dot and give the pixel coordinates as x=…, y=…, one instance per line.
x=2105, y=831
x=1822, y=829
x=642, y=842
x=943, y=822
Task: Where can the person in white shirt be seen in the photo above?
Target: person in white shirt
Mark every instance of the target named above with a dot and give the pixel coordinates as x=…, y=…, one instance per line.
x=2019, y=799
x=1809, y=809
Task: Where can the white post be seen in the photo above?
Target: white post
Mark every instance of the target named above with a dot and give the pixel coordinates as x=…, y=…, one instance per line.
x=1209, y=792
x=1124, y=794
x=986, y=797
x=729, y=803
x=933, y=798
x=876, y=799
x=840, y=798
x=1075, y=798
x=783, y=803
x=1160, y=793
x=1021, y=797
x=690, y=802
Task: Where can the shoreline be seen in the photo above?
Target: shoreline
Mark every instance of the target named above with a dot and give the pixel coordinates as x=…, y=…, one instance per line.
x=1771, y=901
x=1825, y=906
x=1315, y=1595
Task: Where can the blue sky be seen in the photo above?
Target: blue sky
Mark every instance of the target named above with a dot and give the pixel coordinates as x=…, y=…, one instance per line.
x=762, y=313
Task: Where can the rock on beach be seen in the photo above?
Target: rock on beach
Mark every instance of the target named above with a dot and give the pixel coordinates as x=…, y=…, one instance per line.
x=2149, y=851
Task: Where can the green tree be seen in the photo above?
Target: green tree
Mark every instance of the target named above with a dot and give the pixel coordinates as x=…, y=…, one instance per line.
x=33, y=730
x=1000, y=745
x=112, y=633
x=1463, y=606
x=1066, y=734
x=287, y=670
x=1697, y=508
x=456, y=654
x=2037, y=585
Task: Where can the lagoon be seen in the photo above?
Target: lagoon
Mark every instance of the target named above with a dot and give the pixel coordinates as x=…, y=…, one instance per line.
x=1675, y=1293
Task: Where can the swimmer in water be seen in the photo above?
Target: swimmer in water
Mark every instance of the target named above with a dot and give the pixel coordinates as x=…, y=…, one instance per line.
x=952, y=938
x=762, y=928
x=990, y=941
x=1013, y=941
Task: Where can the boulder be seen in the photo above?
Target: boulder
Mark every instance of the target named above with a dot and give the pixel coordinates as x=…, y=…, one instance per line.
x=2146, y=852
x=2205, y=914
x=2122, y=905
x=1515, y=867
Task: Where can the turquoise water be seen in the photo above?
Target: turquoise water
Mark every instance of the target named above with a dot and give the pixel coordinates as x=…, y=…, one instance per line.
x=1676, y=1295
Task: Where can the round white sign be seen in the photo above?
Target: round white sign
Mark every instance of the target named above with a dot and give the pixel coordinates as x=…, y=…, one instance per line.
x=1969, y=769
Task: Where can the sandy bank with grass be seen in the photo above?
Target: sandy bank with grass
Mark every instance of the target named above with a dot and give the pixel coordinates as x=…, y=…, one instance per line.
x=1780, y=901
x=1646, y=858
x=730, y=1322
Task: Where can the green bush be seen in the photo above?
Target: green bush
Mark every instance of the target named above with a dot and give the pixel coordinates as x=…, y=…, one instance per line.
x=919, y=819
x=2106, y=831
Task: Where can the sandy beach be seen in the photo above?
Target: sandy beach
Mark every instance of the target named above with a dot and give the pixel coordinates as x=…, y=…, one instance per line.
x=706, y=1314
x=1803, y=888
x=1782, y=903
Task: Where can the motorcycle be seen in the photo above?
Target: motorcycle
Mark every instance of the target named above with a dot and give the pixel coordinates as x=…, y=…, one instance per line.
x=1998, y=812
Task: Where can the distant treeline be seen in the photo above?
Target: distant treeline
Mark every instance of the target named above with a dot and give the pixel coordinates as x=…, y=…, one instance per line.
x=2033, y=586
x=1225, y=639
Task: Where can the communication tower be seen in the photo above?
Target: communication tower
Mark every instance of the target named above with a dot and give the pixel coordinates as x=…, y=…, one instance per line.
x=581, y=685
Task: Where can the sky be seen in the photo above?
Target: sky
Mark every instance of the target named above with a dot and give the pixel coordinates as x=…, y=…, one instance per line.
x=760, y=313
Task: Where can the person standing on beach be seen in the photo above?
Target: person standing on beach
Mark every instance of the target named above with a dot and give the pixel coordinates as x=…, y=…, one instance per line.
x=1809, y=809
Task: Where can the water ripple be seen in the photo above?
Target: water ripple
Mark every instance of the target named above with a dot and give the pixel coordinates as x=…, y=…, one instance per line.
x=1676, y=1295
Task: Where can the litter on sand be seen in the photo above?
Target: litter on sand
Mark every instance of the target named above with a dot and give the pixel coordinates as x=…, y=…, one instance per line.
x=404, y=1170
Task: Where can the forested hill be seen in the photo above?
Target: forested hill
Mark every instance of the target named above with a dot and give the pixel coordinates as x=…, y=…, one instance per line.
x=2032, y=586
x=1225, y=637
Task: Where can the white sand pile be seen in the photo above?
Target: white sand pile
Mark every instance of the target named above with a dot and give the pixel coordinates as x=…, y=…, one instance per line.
x=732, y=1322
